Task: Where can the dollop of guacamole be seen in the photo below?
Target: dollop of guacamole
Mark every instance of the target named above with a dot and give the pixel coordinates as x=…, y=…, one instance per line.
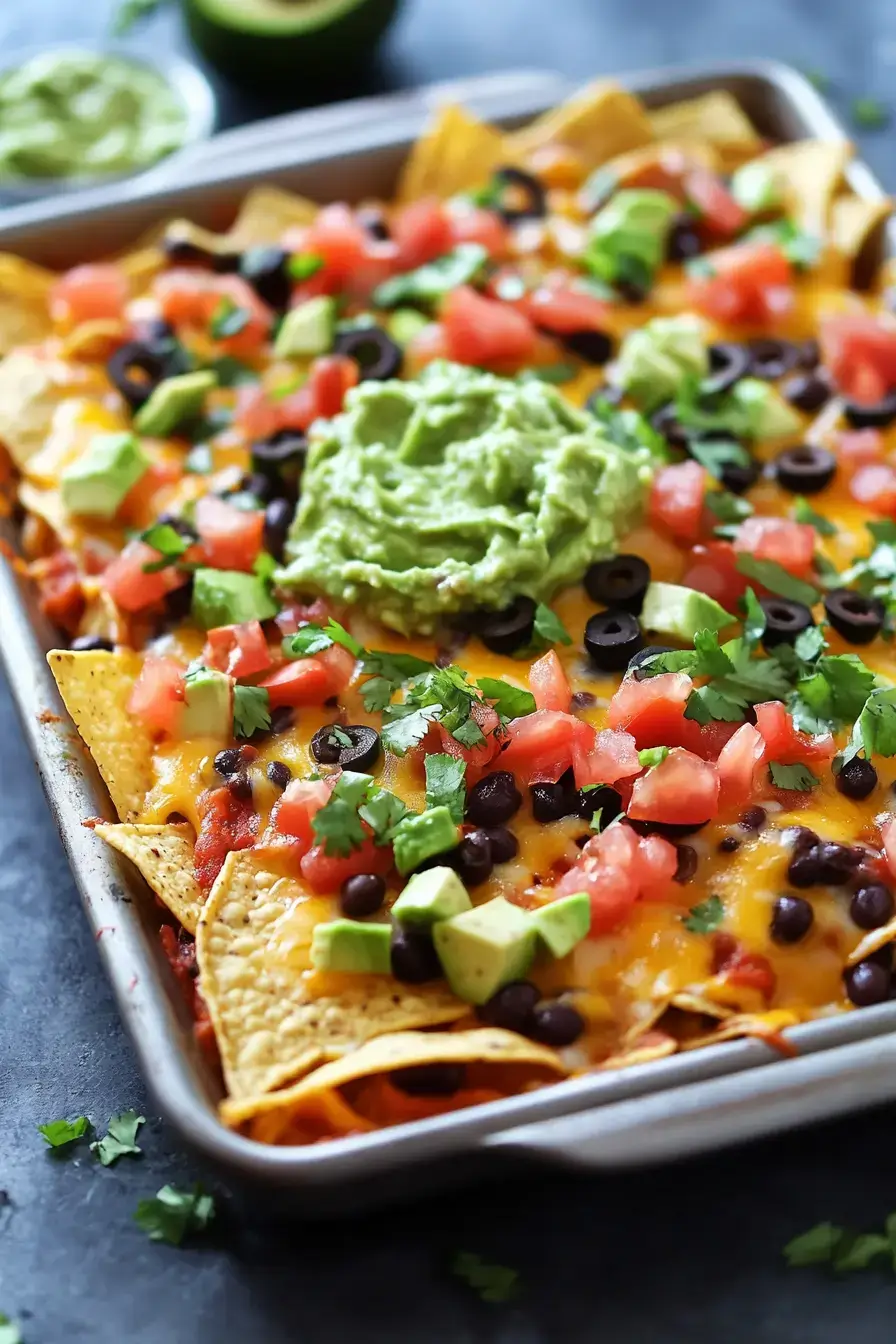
x=459, y=490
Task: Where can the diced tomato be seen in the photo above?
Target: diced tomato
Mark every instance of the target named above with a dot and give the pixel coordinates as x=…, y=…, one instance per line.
x=340, y=665
x=784, y=742
x=549, y=684
x=478, y=758
x=322, y=396
x=788, y=544
x=158, y=694
x=139, y=507
x=226, y=823
x=238, y=650
x=681, y=790
x=860, y=351
x=888, y=839
x=676, y=499
x=483, y=331
x=483, y=227
x=255, y=414
x=307, y=681
x=712, y=569
x=540, y=746
x=326, y=873
x=94, y=292
x=562, y=310
x=657, y=864
x=750, y=282
x=604, y=758
x=718, y=212
x=423, y=231
x=607, y=871
x=859, y=448
x=740, y=766
x=750, y=970
x=875, y=487
x=130, y=586
x=355, y=262
x=293, y=811
x=231, y=537
x=651, y=710
x=61, y=594
x=191, y=298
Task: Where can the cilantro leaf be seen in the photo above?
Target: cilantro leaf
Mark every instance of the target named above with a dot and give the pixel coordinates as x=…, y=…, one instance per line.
x=858, y=1252
x=556, y=374
x=119, y=1139
x=407, y=726
x=493, y=1283
x=60, y=1133
x=809, y=644
x=755, y=619
x=800, y=248
x=629, y=430
x=445, y=783
x=430, y=282
x=337, y=825
x=776, y=579
x=312, y=639
x=803, y=512
x=869, y=114
x=707, y=704
x=719, y=412
x=172, y=1214
x=468, y=733
x=377, y=693
x=728, y=508
x=388, y=671
x=302, y=265
x=874, y=731
x=9, y=1331
x=338, y=738
x=832, y=694
x=652, y=756
x=162, y=537
x=382, y=812
x=792, y=776
x=228, y=319
x=251, y=710
x=717, y=454
x=131, y=12
x=596, y=823
x=511, y=702
x=549, y=627
x=705, y=917
x=815, y=1247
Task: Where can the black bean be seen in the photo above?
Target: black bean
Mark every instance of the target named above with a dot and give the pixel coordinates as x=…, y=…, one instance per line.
x=808, y=391
x=637, y=660
x=792, y=918
x=414, y=959
x=669, y=830
x=771, y=358
x=282, y=719
x=178, y=601
x=595, y=347
x=872, y=906
x=512, y=1007
x=729, y=845
x=801, y=838
x=508, y=630
x=227, y=762
x=429, y=1080
x=494, y=800
x=825, y=864
x=359, y=753
x=520, y=195
x=362, y=894
x=557, y=1024
x=687, y=863
x=583, y=700
x=805, y=470
x=240, y=785
x=277, y=518
x=612, y=638
x=267, y=270
x=784, y=620
x=472, y=859
x=373, y=350
x=728, y=363
x=859, y=619
x=279, y=773
x=264, y=488
x=867, y=983
x=753, y=819
x=683, y=240
x=620, y=582
x=604, y=799
x=857, y=779
x=504, y=843
x=550, y=802
x=287, y=448
x=91, y=644
x=878, y=416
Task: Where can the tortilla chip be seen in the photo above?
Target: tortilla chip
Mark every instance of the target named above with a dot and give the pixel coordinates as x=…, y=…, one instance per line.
x=766, y=1025
x=872, y=942
x=274, y=1019
x=456, y=153
x=163, y=855
x=490, y=1047
x=715, y=118
x=142, y=264
x=266, y=214
x=689, y=1002
x=24, y=290
x=808, y=174
x=597, y=123
x=27, y=403
x=96, y=687
x=853, y=221
x=655, y=1045
x=46, y=504
x=95, y=340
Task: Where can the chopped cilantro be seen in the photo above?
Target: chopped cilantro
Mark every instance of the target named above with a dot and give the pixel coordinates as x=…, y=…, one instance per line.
x=728, y=508
x=874, y=732
x=337, y=825
x=717, y=454
x=874, y=574
x=387, y=671
x=776, y=579
x=493, y=1283
x=596, y=822
x=801, y=249
x=338, y=738
x=556, y=374
x=9, y=1331
x=120, y=1138
x=705, y=917
x=263, y=567
x=845, y=1251
x=549, y=627
x=302, y=265
x=172, y=1214
x=737, y=679
x=833, y=690
x=430, y=282
x=232, y=372
x=754, y=619
x=162, y=537
x=442, y=693
x=314, y=639
x=798, y=777
x=60, y=1133
x=383, y=811
x=803, y=512
x=630, y=430
x=251, y=710
x=810, y=643
x=127, y=15
x=445, y=783
x=815, y=1247
x=719, y=412
x=407, y=726
x=652, y=756
x=510, y=701
x=228, y=319
x=869, y=114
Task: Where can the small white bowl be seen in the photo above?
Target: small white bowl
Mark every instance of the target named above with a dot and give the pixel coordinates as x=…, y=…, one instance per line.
x=186, y=80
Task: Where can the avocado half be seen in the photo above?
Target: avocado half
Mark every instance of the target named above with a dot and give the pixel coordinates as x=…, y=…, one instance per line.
x=297, y=45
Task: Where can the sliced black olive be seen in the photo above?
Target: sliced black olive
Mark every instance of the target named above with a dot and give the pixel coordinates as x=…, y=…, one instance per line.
x=266, y=269
x=521, y=196
x=809, y=354
x=286, y=448
x=808, y=391
x=683, y=241
x=857, y=779
x=878, y=416
x=607, y=393
x=150, y=364
x=771, y=358
x=858, y=618
x=665, y=422
x=637, y=660
x=611, y=638
x=620, y=582
x=185, y=251
x=805, y=470
x=277, y=518
x=375, y=353
x=508, y=630
x=739, y=477
x=595, y=347
x=91, y=644
x=263, y=487
x=329, y=748
x=728, y=363
x=784, y=620
x=373, y=221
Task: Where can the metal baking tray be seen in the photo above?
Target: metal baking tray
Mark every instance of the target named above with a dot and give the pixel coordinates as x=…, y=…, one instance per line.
x=685, y=1104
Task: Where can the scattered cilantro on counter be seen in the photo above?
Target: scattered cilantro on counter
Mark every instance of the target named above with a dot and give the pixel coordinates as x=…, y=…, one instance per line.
x=173, y=1214
x=869, y=114
x=843, y=1250
x=120, y=1138
x=60, y=1133
x=9, y=1331
x=493, y=1283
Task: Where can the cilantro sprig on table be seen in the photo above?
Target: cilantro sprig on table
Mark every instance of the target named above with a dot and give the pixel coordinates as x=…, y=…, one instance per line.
x=60, y=1133
x=845, y=1251
x=173, y=1214
x=493, y=1283
x=119, y=1139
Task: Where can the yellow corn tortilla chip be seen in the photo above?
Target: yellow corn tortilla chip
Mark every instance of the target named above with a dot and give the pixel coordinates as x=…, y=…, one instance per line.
x=94, y=340
x=766, y=1025
x=854, y=220
x=689, y=1002
x=655, y=1045
x=142, y=264
x=456, y=153
x=401, y=1050
x=714, y=119
x=163, y=855
x=808, y=174
x=597, y=123
x=872, y=942
x=273, y=1018
x=95, y=687
x=46, y=504
x=266, y=214
x=28, y=398
x=24, y=289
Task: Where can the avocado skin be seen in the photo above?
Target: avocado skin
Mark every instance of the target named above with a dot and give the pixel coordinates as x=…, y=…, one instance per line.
x=309, y=59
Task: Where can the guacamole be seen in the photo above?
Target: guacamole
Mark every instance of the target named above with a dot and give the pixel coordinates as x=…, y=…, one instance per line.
x=460, y=490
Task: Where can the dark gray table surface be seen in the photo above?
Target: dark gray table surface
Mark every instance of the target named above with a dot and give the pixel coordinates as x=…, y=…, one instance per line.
x=688, y=1254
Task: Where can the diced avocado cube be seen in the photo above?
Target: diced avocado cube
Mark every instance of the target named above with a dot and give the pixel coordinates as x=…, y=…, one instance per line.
x=98, y=481
x=404, y=324
x=485, y=948
x=563, y=923
x=657, y=358
x=174, y=401
x=308, y=329
x=670, y=609
x=349, y=945
x=435, y=894
x=229, y=597
x=769, y=415
x=208, y=704
x=419, y=838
